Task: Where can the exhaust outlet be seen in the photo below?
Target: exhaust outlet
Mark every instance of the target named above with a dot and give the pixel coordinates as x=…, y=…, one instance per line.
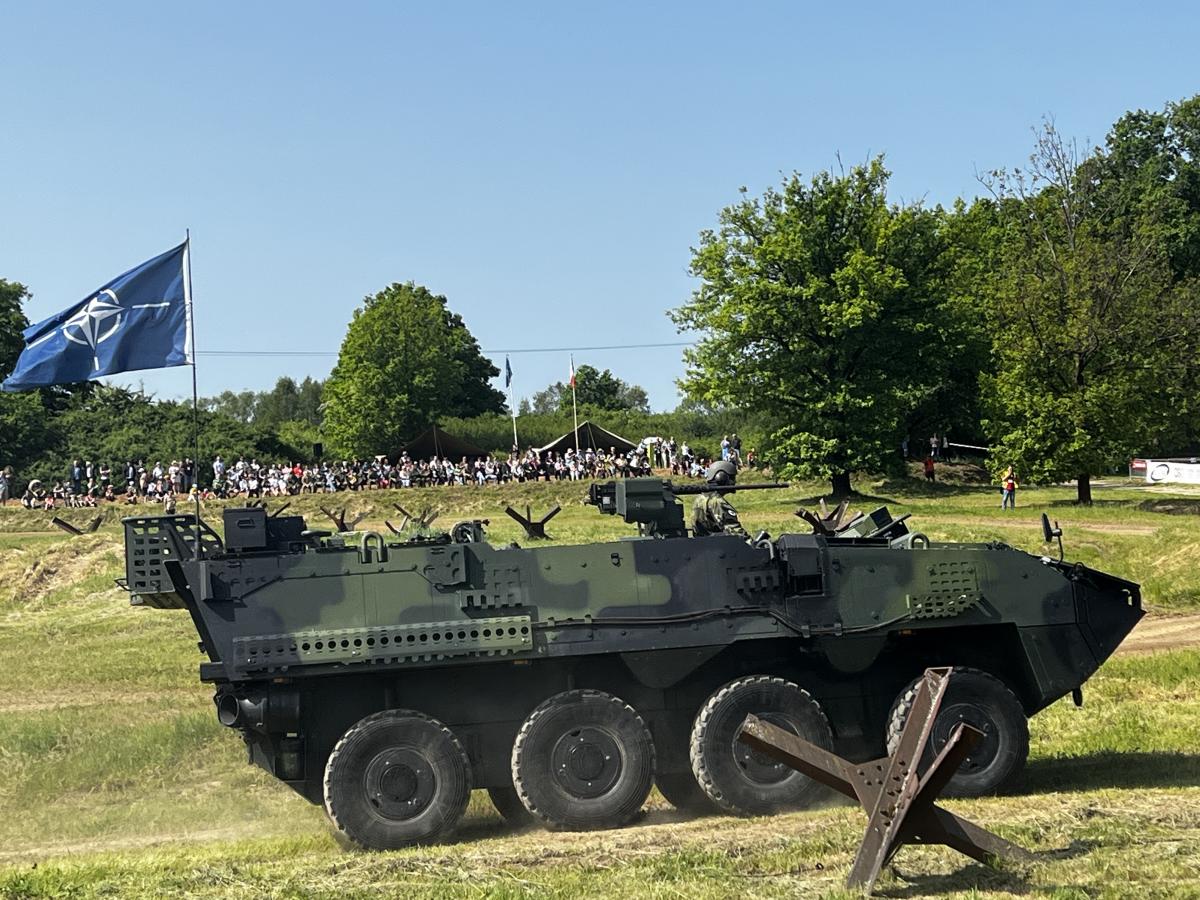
x=276, y=712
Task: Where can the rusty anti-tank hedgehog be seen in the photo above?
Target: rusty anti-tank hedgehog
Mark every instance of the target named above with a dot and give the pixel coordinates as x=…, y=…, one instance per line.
x=388, y=678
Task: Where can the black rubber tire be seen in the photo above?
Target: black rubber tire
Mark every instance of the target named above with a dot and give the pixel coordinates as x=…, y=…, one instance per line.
x=397, y=778
x=508, y=803
x=986, y=702
x=583, y=760
x=745, y=782
x=683, y=791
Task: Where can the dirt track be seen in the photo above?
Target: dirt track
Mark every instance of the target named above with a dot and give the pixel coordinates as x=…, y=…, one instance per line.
x=1109, y=527
x=1163, y=633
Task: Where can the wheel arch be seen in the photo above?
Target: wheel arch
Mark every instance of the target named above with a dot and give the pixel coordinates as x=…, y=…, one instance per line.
x=994, y=649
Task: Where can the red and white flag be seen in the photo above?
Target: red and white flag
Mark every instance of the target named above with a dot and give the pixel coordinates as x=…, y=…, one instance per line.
x=572, y=381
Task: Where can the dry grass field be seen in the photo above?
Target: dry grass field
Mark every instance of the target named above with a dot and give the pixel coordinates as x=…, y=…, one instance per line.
x=116, y=780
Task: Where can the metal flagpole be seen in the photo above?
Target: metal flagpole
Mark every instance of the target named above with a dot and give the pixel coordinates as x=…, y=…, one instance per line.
x=511, y=405
x=574, y=406
x=191, y=351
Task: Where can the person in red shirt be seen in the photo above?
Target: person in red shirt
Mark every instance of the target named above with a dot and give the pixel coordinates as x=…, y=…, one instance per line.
x=930, y=475
x=1008, y=489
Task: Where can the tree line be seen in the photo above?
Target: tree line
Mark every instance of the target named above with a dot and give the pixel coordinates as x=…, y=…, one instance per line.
x=1055, y=317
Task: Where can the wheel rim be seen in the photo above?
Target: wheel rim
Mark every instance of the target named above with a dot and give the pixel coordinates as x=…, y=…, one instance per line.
x=586, y=762
x=950, y=717
x=756, y=765
x=399, y=783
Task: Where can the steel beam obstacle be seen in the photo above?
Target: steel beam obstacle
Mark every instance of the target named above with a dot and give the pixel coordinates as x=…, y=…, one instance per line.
x=72, y=529
x=535, y=528
x=898, y=799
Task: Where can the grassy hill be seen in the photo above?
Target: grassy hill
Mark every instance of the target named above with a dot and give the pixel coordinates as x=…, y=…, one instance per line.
x=115, y=778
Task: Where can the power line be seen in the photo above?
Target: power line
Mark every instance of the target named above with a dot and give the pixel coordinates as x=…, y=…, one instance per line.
x=511, y=350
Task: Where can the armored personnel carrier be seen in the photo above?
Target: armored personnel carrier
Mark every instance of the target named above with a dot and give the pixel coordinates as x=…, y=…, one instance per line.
x=388, y=678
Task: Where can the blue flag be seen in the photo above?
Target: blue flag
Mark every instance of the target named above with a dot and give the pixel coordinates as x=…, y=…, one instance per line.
x=507, y=372
x=139, y=320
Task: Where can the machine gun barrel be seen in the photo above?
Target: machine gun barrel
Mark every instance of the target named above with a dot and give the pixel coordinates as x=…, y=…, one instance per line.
x=681, y=490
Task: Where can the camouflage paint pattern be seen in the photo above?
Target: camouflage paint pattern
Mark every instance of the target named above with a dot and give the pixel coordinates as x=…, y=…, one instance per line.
x=286, y=621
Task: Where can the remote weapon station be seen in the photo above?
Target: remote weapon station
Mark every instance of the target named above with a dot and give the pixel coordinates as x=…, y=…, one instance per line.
x=388, y=678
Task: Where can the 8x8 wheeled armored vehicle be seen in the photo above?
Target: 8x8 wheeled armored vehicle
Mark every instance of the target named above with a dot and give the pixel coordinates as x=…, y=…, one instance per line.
x=388, y=678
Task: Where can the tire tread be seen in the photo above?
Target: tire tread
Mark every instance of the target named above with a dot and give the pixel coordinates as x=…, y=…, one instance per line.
x=558, y=700
x=903, y=703
x=344, y=742
x=704, y=719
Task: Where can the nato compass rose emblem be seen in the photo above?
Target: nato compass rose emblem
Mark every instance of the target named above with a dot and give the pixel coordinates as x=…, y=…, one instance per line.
x=97, y=321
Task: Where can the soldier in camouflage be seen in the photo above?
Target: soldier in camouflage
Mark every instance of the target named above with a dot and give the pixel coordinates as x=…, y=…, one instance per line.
x=712, y=513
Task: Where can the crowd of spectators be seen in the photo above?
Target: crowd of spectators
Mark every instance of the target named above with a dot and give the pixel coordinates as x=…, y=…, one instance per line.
x=88, y=483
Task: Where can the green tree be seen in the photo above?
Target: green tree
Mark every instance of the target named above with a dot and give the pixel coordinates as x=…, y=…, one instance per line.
x=1150, y=168
x=240, y=405
x=822, y=313
x=286, y=402
x=25, y=426
x=594, y=390
x=1094, y=338
x=289, y=402
x=406, y=360
x=116, y=425
x=12, y=324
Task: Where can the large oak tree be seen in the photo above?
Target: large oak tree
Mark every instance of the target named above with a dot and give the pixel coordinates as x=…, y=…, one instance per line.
x=406, y=361
x=821, y=311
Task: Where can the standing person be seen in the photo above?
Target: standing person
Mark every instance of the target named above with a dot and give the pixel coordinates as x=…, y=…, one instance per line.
x=1008, y=489
x=904, y=448
x=6, y=475
x=935, y=445
x=930, y=474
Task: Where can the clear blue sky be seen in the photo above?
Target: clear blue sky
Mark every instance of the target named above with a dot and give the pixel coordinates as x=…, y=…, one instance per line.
x=546, y=168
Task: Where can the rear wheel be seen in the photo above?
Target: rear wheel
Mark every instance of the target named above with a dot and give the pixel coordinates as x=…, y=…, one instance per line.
x=683, y=791
x=744, y=781
x=984, y=701
x=508, y=804
x=583, y=760
x=397, y=778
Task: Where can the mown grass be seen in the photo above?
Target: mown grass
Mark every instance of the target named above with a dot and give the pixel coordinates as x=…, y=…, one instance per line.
x=116, y=780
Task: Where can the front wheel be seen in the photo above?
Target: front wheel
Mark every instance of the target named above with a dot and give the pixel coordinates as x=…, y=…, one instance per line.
x=985, y=702
x=397, y=778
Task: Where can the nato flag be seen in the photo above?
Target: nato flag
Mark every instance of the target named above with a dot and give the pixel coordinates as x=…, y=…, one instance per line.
x=139, y=320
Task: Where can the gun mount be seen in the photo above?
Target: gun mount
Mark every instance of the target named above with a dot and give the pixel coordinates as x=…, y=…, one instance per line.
x=651, y=504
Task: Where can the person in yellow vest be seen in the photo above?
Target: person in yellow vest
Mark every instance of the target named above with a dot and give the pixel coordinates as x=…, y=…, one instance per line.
x=1008, y=488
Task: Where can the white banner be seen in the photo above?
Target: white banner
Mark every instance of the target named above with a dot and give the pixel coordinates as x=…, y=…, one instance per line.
x=1167, y=471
